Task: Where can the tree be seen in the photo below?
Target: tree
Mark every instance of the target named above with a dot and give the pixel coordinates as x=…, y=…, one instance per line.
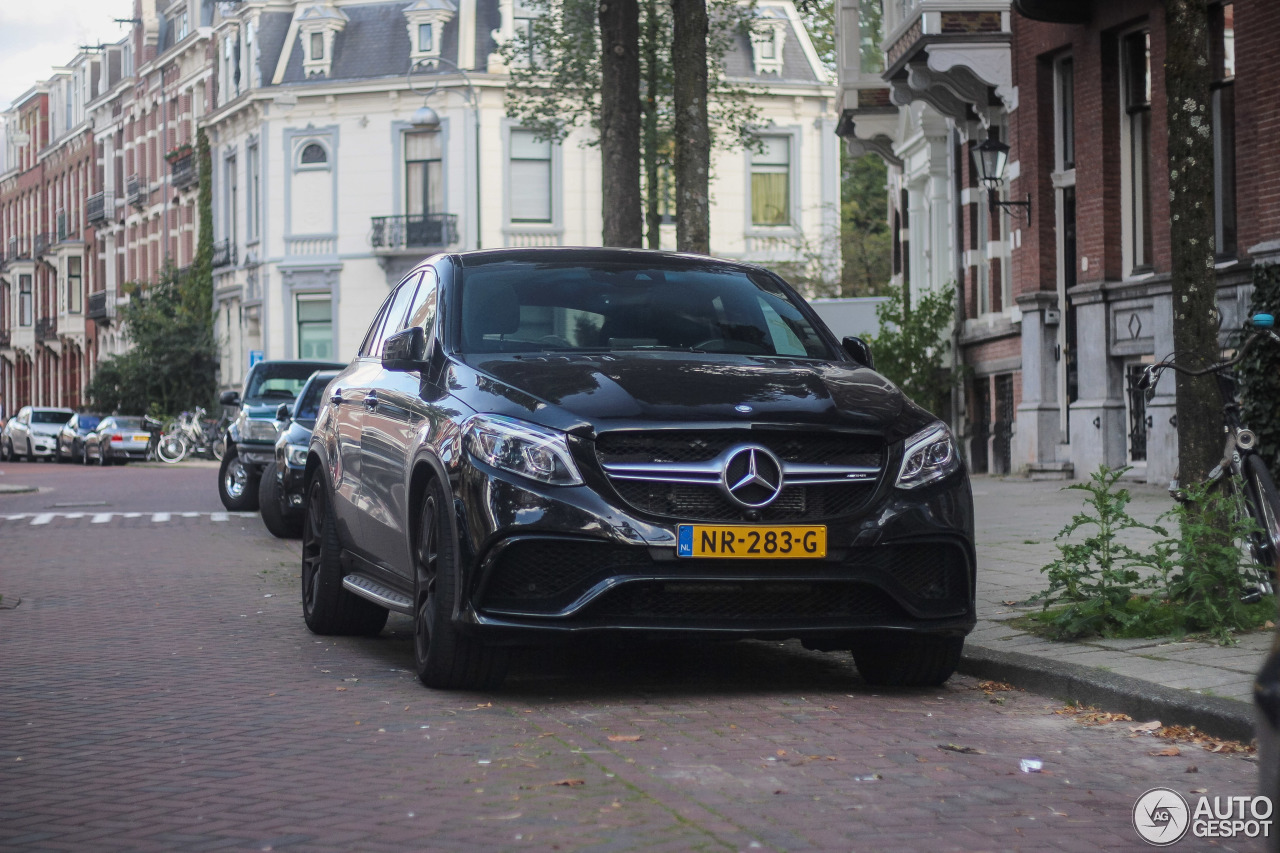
x=911, y=347
x=555, y=83
x=1191, y=232
x=866, y=245
x=692, y=131
x=620, y=121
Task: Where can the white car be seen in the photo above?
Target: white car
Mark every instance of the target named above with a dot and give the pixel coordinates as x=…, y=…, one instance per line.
x=32, y=433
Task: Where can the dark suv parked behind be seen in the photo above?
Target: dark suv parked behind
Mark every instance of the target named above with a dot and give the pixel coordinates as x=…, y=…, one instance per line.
x=251, y=437
x=535, y=445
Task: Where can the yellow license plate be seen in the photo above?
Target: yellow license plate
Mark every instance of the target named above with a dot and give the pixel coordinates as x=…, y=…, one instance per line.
x=751, y=541
x=141, y=439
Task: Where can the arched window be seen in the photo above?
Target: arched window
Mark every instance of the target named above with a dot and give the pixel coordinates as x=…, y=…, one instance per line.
x=313, y=154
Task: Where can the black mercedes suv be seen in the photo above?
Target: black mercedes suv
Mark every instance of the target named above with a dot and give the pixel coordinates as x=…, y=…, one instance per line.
x=535, y=445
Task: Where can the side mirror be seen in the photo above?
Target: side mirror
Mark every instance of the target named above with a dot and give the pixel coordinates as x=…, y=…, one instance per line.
x=858, y=350
x=405, y=350
x=229, y=398
x=282, y=413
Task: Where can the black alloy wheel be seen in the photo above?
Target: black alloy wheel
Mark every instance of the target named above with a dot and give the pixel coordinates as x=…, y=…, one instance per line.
x=902, y=659
x=443, y=657
x=279, y=521
x=327, y=607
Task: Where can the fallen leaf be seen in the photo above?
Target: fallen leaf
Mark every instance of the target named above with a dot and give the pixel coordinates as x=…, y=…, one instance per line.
x=1191, y=768
x=1198, y=790
x=511, y=816
x=1168, y=750
x=340, y=689
x=967, y=750
x=1268, y=624
x=624, y=738
x=1010, y=603
x=1146, y=727
x=782, y=752
x=571, y=783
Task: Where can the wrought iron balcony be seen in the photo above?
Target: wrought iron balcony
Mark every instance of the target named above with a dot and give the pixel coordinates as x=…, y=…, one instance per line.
x=47, y=329
x=420, y=231
x=100, y=207
x=184, y=171
x=224, y=254
x=136, y=191
x=97, y=307
x=42, y=243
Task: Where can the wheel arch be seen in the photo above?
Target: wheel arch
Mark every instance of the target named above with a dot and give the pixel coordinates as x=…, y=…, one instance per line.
x=425, y=468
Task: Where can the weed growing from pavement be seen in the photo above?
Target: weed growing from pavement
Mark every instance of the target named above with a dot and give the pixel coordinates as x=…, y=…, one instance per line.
x=1190, y=584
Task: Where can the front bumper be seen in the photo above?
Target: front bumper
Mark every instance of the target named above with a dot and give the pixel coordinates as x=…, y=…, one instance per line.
x=546, y=562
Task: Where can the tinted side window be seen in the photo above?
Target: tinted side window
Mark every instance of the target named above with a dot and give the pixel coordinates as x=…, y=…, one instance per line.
x=366, y=347
x=423, y=312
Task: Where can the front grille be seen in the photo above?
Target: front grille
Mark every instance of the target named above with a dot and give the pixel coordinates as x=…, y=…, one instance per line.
x=696, y=502
x=816, y=448
x=727, y=601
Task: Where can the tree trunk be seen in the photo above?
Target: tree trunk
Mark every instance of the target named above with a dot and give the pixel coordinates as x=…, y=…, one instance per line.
x=620, y=122
x=692, y=128
x=653, y=192
x=1191, y=193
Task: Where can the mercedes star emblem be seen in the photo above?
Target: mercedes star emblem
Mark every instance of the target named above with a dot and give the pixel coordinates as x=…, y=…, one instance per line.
x=752, y=477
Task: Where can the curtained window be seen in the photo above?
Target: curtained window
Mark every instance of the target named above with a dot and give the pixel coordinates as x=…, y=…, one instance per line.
x=771, y=182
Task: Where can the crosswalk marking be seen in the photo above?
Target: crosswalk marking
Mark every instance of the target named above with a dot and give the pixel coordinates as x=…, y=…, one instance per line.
x=43, y=518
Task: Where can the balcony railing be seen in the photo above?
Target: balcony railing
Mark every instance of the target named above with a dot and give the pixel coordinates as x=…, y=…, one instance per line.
x=97, y=307
x=47, y=329
x=100, y=207
x=224, y=254
x=420, y=231
x=42, y=243
x=184, y=171
x=135, y=191
x=5, y=338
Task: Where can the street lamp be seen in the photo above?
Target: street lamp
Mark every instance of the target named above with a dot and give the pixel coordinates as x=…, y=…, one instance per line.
x=990, y=158
x=428, y=119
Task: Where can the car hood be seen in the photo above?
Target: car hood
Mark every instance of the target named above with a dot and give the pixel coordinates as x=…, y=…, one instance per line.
x=45, y=429
x=582, y=392
x=263, y=411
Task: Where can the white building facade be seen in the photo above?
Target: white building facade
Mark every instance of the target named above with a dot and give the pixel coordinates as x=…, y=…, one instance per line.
x=326, y=192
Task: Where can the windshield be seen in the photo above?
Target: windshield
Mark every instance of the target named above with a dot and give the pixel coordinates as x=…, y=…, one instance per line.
x=519, y=306
x=38, y=417
x=128, y=422
x=308, y=407
x=278, y=381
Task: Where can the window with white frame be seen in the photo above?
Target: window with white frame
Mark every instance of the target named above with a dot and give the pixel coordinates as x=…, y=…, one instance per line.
x=530, y=176
x=75, y=285
x=24, y=300
x=315, y=326
x=1064, y=184
x=423, y=174
x=313, y=156
x=426, y=38
x=317, y=47
x=253, y=165
x=771, y=181
x=232, y=199
x=1136, y=95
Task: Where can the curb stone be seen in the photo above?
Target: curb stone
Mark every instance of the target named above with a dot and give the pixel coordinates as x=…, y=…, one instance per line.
x=1140, y=699
x=15, y=489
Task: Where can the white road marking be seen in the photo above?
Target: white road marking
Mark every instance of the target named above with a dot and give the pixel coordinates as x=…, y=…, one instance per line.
x=160, y=517
x=43, y=518
x=217, y=516
x=101, y=517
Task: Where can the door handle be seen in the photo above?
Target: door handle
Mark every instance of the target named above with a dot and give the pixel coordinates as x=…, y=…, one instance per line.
x=336, y=397
x=371, y=400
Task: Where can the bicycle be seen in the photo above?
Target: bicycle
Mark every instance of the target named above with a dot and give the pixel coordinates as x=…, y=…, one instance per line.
x=1241, y=468
x=189, y=434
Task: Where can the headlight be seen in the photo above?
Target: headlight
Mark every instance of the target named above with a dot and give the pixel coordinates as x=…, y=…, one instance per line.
x=295, y=455
x=930, y=454
x=521, y=448
x=254, y=429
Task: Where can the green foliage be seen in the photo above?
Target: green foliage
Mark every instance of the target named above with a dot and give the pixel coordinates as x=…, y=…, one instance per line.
x=866, y=245
x=1096, y=577
x=1259, y=372
x=912, y=346
x=1189, y=584
x=171, y=365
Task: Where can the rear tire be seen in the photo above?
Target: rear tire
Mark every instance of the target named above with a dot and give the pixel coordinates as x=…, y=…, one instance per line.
x=443, y=657
x=327, y=607
x=237, y=485
x=102, y=457
x=281, y=524
x=171, y=448
x=907, y=660
x=6, y=451
x=1266, y=504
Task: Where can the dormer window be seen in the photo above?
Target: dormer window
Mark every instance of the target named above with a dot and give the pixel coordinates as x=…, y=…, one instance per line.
x=426, y=20
x=768, y=36
x=317, y=47
x=318, y=26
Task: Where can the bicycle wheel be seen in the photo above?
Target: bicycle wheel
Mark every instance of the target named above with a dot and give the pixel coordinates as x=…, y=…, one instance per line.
x=172, y=448
x=1264, y=506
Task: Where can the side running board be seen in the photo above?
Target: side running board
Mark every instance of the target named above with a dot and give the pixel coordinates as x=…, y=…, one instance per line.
x=378, y=593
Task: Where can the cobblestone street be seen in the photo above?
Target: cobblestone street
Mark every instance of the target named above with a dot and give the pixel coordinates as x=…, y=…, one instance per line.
x=159, y=691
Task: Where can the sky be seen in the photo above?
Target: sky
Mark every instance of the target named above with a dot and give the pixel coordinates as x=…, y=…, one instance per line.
x=37, y=35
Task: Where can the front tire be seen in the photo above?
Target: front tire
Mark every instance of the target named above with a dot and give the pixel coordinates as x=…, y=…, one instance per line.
x=907, y=660
x=1266, y=503
x=171, y=448
x=6, y=451
x=443, y=657
x=327, y=607
x=279, y=523
x=103, y=461
x=237, y=485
